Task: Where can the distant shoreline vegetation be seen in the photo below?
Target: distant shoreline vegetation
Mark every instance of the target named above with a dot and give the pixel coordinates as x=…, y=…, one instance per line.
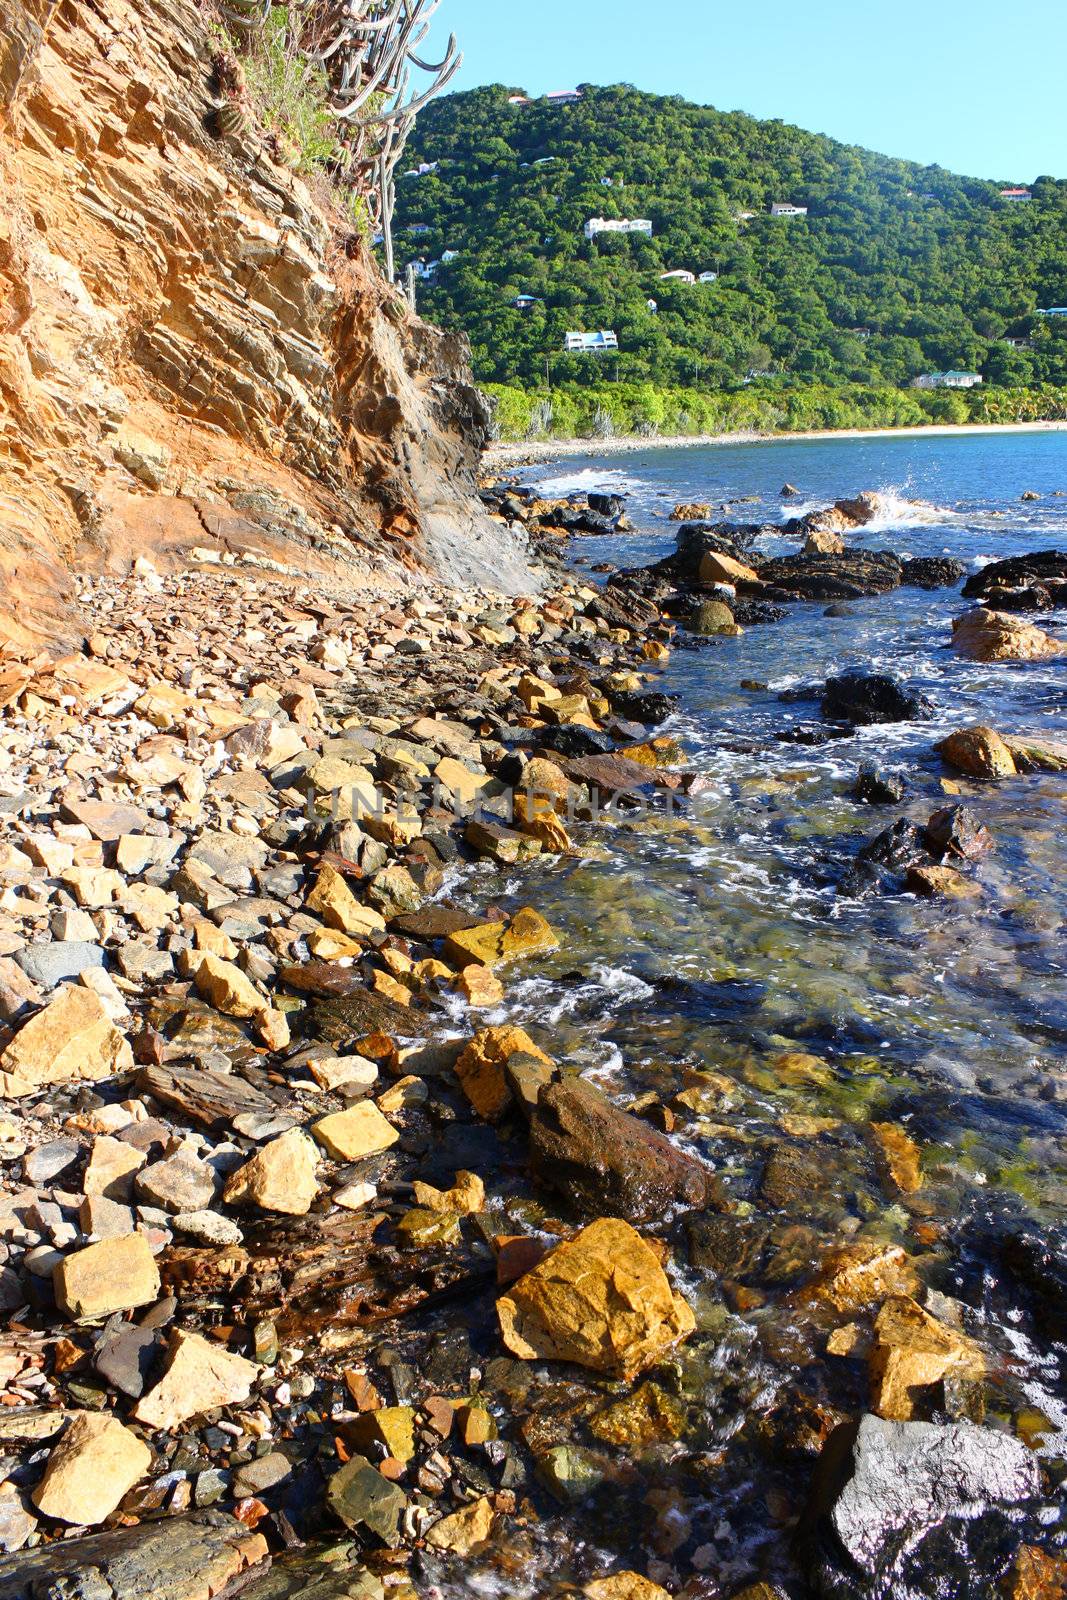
x=636, y=410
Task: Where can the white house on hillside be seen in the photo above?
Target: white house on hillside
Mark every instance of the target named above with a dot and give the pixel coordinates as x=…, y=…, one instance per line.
x=564, y=97
x=948, y=380
x=1016, y=196
x=591, y=343
x=708, y=277
x=782, y=208
x=679, y=275
x=598, y=225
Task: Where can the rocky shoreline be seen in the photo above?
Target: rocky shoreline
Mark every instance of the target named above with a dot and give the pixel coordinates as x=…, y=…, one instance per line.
x=319, y=1275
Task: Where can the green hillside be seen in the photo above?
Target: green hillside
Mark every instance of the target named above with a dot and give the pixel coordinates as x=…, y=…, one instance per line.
x=897, y=269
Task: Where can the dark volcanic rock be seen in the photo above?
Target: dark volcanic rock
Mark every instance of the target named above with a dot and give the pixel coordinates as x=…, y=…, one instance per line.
x=608, y=505
x=1037, y=581
x=847, y=576
x=608, y=1162
x=434, y=922
x=756, y=613
x=865, y=698
x=932, y=572
x=886, y=858
x=647, y=706
x=624, y=608
x=884, y=1488
x=570, y=739
x=349, y=1017
x=875, y=788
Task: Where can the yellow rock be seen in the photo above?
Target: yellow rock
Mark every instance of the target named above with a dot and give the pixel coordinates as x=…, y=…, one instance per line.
x=390, y=1426
x=716, y=568
x=527, y=934
x=384, y=983
x=328, y=944
x=983, y=635
x=912, y=1351
x=466, y=1196
x=602, y=1300
x=534, y=692
x=900, y=1154
x=228, y=989
x=624, y=1586
x=534, y=816
x=480, y=1069
x=480, y=987
x=978, y=753
x=334, y=902
x=359, y=1131
x=93, y=1466
x=865, y=1272
x=114, y=1275
x=463, y=784
x=464, y=1530
x=280, y=1177
x=201, y=1376
x=73, y=1039
x=213, y=941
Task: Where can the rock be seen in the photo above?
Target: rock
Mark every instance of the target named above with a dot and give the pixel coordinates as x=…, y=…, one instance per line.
x=481, y=1068
x=111, y=1167
x=490, y=943
x=875, y=788
x=360, y=1131
x=607, y=1161
x=913, y=1351
x=361, y=1498
x=1002, y=584
x=940, y=883
x=334, y=902
x=181, y=1183
x=207, y=1227
x=718, y=568
x=863, y=1273
x=898, y=1480
x=72, y=1040
x=114, y=1275
x=932, y=572
x=201, y=1376
x=505, y=845
x=983, y=635
x=466, y=1196
x=49, y=964
x=695, y=511
x=464, y=1530
x=866, y=698
x=601, y=1300
x=627, y=1585
x=179, y=1558
x=900, y=1155
x=1037, y=1575
x=390, y=1427
x=648, y=1416
x=956, y=831
x=280, y=1177
x=228, y=989
x=93, y=1466
x=125, y=1359
x=824, y=542
x=262, y=1474
x=978, y=752
x=848, y=576
x=711, y=617
x=16, y=1522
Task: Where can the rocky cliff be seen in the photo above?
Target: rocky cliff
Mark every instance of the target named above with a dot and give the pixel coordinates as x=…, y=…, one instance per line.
x=189, y=356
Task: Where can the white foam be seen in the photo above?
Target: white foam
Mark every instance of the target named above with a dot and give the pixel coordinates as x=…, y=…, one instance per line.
x=603, y=480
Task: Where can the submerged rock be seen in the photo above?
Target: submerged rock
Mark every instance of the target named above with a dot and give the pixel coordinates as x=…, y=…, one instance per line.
x=866, y=698
x=604, y=1160
x=601, y=1300
x=886, y=1485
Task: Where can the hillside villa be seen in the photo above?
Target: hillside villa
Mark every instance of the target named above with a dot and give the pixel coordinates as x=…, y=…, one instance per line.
x=708, y=277
x=782, y=208
x=679, y=275
x=598, y=225
x=591, y=343
x=1016, y=196
x=948, y=380
x=1053, y=311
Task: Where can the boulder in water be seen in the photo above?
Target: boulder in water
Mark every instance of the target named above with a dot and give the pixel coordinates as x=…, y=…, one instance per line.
x=865, y=698
x=983, y=635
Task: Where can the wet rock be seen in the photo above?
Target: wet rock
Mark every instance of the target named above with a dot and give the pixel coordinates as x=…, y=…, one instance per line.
x=863, y=1273
x=482, y=1068
x=201, y=1376
x=355, y=1015
x=281, y=1177
x=711, y=617
x=866, y=698
x=435, y=922
x=601, y=1300
x=645, y=706
x=956, y=831
x=940, y=883
x=490, y=943
x=213, y=1099
x=932, y=572
x=1020, y=576
x=847, y=576
x=649, y=1416
x=464, y=1530
x=93, y=1466
x=624, y=1586
x=900, y=1156
x=72, y=1039
x=884, y=860
x=361, y=1498
x=876, y=788
x=606, y=1161
x=912, y=1352
x=889, y=1483
x=983, y=635
x=573, y=741
x=114, y=1275
x=725, y=1245
x=1036, y=1575
x=979, y=753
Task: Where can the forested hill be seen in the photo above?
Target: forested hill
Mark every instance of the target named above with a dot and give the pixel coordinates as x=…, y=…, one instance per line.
x=897, y=269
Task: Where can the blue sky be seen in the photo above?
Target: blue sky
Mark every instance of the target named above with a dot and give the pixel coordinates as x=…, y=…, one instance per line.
x=973, y=85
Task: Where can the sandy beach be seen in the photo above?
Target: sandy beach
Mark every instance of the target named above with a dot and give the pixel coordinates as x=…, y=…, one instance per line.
x=502, y=456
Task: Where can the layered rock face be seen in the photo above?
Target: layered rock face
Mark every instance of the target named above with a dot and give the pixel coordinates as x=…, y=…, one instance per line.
x=189, y=356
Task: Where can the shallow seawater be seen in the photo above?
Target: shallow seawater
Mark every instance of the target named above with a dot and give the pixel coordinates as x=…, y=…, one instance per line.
x=711, y=951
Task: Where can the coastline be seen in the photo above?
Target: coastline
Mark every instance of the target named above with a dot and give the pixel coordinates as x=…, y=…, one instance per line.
x=512, y=454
